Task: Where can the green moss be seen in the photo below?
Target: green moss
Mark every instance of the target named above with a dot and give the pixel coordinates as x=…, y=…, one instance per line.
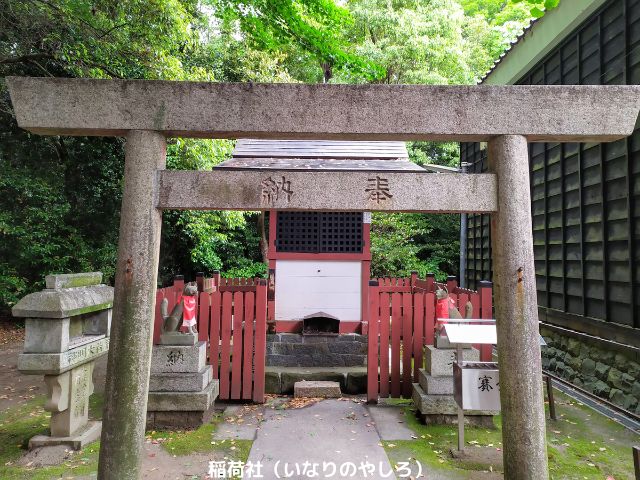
x=581, y=445
x=19, y=424
x=201, y=440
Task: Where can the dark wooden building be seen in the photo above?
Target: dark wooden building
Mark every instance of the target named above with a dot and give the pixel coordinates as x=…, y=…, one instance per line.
x=585, y=201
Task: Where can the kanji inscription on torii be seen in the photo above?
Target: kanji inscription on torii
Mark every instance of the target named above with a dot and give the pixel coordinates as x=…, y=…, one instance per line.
x=378, y=189
x=272, y=189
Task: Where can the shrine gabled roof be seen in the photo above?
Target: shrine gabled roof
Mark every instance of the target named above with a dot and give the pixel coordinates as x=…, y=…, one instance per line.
x=320, y=155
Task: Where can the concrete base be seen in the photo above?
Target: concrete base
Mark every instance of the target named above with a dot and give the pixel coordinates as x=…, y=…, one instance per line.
x=481, y=421
x=280, y=380
x=179, y=339
x=317, y=389
x=183, y=401
x=443, y=409
x=435, y=385
x=189, y=420
x=88, y=434
x=181, y=382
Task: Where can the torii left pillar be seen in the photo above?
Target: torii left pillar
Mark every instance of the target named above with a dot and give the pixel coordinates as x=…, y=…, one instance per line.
x=127, y=384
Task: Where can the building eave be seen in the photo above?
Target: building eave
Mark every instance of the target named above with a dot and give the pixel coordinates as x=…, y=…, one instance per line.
x=538, y=39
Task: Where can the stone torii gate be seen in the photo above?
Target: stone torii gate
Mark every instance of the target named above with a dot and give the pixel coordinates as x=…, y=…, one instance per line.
x=147, y=112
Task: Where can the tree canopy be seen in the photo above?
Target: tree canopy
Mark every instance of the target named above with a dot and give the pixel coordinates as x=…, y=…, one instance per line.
x=60, y=196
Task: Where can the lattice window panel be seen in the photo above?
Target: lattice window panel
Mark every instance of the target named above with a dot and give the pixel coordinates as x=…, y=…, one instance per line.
x=319, y=232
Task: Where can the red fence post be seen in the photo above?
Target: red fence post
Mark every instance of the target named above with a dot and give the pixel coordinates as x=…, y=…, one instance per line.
x=407, y=343
x=225, y=347
x=236, y=355
x=200, y=281
x=452, y=284
x=260, y=341
x=385, y=319
x=429, y=318
x=396, y=335
x=414, y=278
x=178, y=284
x=204, y=308
x=418, y=333
x=214, y=332
x=248, y=348
x=157, y=321
x=485, y=290
x=373, y=342
x=431, y=282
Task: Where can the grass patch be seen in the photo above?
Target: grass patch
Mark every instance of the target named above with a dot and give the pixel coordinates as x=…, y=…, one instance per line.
x=581, y=445
x=201, y=440
x=17, y=426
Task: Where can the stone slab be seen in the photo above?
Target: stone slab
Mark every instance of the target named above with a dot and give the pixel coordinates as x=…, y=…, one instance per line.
x=289, y=378
x=178, y=359
x=72, y=280
x=280, y=380
x=188, y=420
x=66, y=106
x=317, y=389
x=390, y=422
x=46, y=335
x=439, y=404
x=66, y=302
x=435, y=385
x=181, y=382
x=439, y=362
x=178, y=338
x=433, y=404
x=328, y=431
x=183, y=401
x=78, y=441
x=326, y=190
x=56, y=363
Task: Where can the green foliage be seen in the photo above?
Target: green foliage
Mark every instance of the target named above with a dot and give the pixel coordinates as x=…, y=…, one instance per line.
x=60, y=197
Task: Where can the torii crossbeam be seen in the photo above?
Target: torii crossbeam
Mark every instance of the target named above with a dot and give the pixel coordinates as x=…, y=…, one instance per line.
x=147, y=112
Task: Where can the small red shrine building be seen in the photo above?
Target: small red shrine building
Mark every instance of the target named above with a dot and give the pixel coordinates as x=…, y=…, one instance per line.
x=319, y=262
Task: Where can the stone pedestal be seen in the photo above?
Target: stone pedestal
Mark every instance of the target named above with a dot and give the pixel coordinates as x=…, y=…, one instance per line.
x=181, y=387
x=433, y=395
x=67, y=328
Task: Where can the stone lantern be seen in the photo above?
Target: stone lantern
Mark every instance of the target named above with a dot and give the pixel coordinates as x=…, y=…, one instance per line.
x=66, y=329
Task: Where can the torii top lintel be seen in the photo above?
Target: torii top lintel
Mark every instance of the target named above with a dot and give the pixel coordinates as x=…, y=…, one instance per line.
x=62, y=106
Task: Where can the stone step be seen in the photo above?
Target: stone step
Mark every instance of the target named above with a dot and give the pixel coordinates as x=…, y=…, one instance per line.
x=281, y=380
x=435, y=385
x=439, y=362
x=179, y=359
x=317, y=389
x=183, y=401
x=181, y=382
x=433, y=404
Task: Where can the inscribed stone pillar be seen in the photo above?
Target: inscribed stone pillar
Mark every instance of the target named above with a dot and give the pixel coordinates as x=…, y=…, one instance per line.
x=127, y=381
x=521, y=395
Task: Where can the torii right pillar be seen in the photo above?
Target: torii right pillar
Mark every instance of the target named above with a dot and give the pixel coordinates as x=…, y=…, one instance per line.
x=514, y=280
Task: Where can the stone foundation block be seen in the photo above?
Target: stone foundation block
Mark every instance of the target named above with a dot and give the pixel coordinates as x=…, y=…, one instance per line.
x=178, y=338
x=439, y=362
x=181, y=382
x=317, y=389
x=178, y=359
x=88, y=434
x=435, y=385
x=189, y=420
x=440, y=405
x=290, y=378
x=356, y=383
x=183, y=401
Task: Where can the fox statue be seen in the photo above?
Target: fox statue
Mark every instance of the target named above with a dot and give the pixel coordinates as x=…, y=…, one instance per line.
x=183, y=314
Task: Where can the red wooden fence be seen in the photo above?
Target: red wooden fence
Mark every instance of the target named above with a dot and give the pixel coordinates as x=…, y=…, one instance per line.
x=401, y=322
x=232, y=318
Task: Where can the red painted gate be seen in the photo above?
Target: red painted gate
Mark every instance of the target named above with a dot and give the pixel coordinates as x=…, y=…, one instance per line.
x=402, y=322
x=232, y=317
